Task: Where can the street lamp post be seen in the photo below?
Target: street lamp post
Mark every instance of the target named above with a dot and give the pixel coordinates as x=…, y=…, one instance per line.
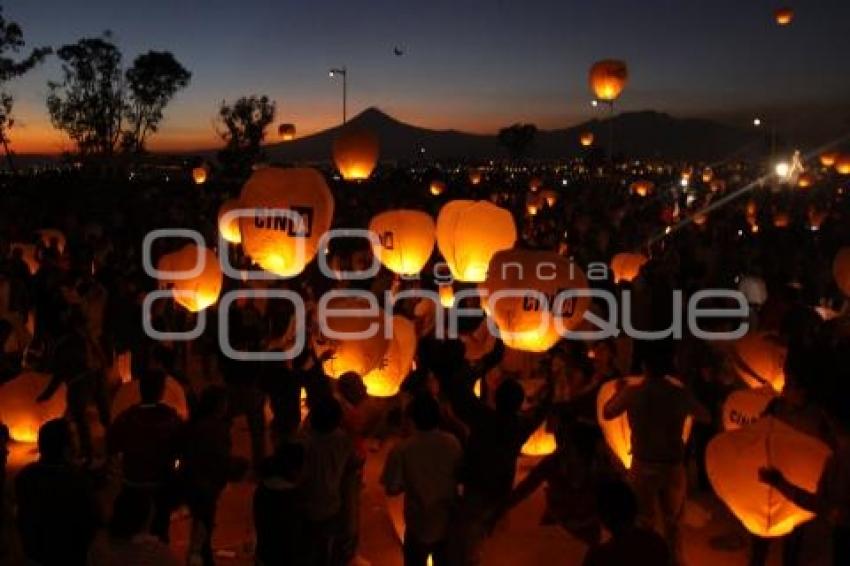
x=343, y=72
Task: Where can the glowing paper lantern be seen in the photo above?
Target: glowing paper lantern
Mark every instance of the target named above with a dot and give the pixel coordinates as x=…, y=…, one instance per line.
x=841, y=270
x=534, y=184
x=277, y=242
x=783, y=16
x=286, y=132
x=469, y=233
x=717, y=185
x=805, y=180
x=745, y=406
x=28, y=255
x=550, y=197
x=781, y=219
x=199, y=175
x=360, y=355
x=733, y=460
x=530, y=318
x=355, y=153
x=447, y=296
x=642, y=188
x=759, y=359
x=229, y=230
x=19, y=409
x=540, y=443
x=842, y=164
x=617, y=432
x=586, y=139
x=707, y=175
x=815, y=217
x=608, y=79
x=474, y=176
x=49, y=236
x=627, y=266
x=195, y=293
x=533, y=204
x=406, y=240
x=129, y=395
x=828, y=158
x=385, y=380
x=437, y=187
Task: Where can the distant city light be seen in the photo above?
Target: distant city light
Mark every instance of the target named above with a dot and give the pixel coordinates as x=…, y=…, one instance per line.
x=757, y=122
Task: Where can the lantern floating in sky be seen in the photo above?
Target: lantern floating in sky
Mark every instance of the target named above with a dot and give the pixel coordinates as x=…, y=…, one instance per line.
x=842, y=164
x=617, y=432
x=469, y=233
x=805, y=180
x=745, y=406
x=406, y=240
x=528, y=314
x=286, y=132
x=759, y=359
x=437, y=187
x=533, y=204
x=356, y=354
x=586, y=139
x=229, y=230
x=828, y=159
x=841, y=270
x=534, y=184
x=199, y=175
x=707, y=175
x=733, y=460
x=19, y=409
x=386, y=379
x=608, y=79
x=129, y=395
x=550, y=197
x=642, y=188
x=447, y=295
x=627, y=266
x=198, y=292
x=355, y=153
x=540, y=443
x=279, y=243
x=474, y=176
x=51, y=237
x=815, y=217
x=783, y=16
x=781, y=219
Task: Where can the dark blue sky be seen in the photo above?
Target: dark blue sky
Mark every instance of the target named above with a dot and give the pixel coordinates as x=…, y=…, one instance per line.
x=469, y=64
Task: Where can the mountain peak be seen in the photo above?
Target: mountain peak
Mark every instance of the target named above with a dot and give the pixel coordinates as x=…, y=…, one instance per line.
x=373, y=115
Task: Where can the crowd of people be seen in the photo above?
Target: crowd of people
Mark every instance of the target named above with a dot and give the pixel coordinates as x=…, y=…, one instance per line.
x=110, y=499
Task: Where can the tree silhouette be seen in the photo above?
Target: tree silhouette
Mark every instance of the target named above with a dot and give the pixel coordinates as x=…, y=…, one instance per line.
x=11, y=42
x=153, y=80
x=518, y=139
x=89, y=104
x=245, y=122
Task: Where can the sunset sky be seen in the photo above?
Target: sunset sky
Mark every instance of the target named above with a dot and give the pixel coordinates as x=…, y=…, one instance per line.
x=474, y=65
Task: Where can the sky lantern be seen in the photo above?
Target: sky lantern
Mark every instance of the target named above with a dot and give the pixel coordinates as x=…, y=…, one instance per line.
x=469, y=233
x=707, y=175
x=129, y=395
x=199, y=175
x=816, y=217
x=406, y=240
x=828, y=158
x=617, y=432
x=447, y=295
x=475, y=176
x=841, y=270
x=355, y=153
x=229, y=230
x=286, y=132
x=642, y=188
x=529, y=317
x=783, y=16
x=717, y=185
x=586, y=139
x=29, y=255
x=358, y=354
x=534, y=184
x=386, y=379
x=540, y=443
x=781, y=219
x=198, y=292
x=759, y=359
x=608, y=79
x=51, y=236
x=533, y=204
x=743, y=407
x=292, y=209
x=733, y=460
x=19, y=409
x=627, y=266
x=437, y=187
x=842, y=164
x=805, y=180
x=550, y=197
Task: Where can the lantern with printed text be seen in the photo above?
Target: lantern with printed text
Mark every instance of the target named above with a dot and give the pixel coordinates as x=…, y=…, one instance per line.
x=617, y=432
x=229, y=229
x=199, y=175
x=759, y=359
x=21, y=412
x=745, y=406
x=783, y=16
x=733, y=460
x=129, y=395
x=406, y=240
x=437, y=187
x=586, y=139
x=626, y=266
x=540, y=443
x=286, y=132
x=642, y=188
x=196, y=292
x=608, y=79
x=292, y=209
x=533, y=297
x=386, y=379
x=469, y=233
x=842, y=164
x=841, y=270
x=355, y=153
x=353, y=332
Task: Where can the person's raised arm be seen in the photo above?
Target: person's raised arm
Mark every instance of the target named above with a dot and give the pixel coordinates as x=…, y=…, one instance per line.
x=621, y=401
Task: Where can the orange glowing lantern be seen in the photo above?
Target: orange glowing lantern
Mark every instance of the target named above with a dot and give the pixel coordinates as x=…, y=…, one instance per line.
x=437, y=187
x=533, y=204
x=642, y=188
x=816, y=217
x=841, y=270
x=447, y=295
x=292, y=209
x=699, y=219
x=406, y=240
x=707, y=175
x=474, y=176
x=528, y=297
x=717, y=185
x=550, y=197
x=617, y=431
x=360, y=342
x=781, y=219
x=534, y=184
x=51, y=237
x=784, y=16
x=469, y=233
x=355, y=153
x=197, y=292
x=586, y=139
x=199, y=175
x=745, y=406
x=627, y=266
x=842, y=164
x=733, y=460
x=286, y=132
x=386, y=379
x=229, y=230
x=805, y=180
x=608, y=79
x=540, y=443
x=129, y=395
x=828, y=159
x=759, y=359
x=19, y=409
